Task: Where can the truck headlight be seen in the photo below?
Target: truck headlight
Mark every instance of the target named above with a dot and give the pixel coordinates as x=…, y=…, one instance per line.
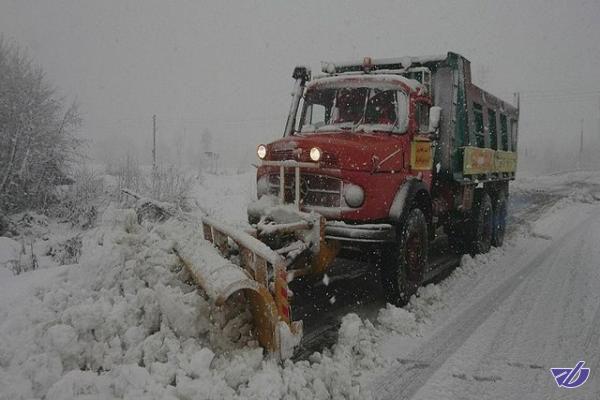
x=261, y=151
x=315, y=154
x=354, y=195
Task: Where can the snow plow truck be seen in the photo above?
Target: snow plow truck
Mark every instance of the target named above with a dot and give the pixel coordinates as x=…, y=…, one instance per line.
x=381, y=156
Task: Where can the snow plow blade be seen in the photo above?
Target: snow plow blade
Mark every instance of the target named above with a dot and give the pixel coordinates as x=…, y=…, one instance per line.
x=261, y=277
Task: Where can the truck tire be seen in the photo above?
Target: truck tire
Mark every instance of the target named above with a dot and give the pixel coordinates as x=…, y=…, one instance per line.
x=404, y=262
x=500, y=215
x=482, y=224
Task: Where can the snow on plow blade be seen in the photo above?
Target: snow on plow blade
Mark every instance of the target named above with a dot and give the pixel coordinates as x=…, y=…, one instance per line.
x=261, y=277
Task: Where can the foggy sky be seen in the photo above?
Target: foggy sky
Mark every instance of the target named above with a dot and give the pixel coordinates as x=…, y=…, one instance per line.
x=226, y=66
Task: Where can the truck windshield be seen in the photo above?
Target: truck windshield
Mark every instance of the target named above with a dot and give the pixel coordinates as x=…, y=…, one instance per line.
x=354, y=109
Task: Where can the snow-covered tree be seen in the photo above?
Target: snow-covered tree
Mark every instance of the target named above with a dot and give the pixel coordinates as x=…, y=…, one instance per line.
x=37, y=140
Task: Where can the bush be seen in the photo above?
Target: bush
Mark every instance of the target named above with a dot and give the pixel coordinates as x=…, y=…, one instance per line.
x=128, y=174
x=169, y=184
x=78, y=203
x=67, y=252
x=166, y=183
x=4, y=225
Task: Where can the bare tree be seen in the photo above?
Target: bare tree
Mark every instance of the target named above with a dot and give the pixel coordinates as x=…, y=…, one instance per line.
x=37, y=140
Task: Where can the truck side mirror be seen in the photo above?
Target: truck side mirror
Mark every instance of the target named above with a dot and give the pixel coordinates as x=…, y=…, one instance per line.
x=301, y=72
x=435, y=114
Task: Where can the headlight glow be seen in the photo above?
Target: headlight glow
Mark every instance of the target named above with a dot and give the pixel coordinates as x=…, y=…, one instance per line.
x=315, y=154
x=261, y=151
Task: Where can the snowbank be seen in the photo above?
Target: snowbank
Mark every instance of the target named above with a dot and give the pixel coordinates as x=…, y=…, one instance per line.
x=123, y=322
x=9, y=252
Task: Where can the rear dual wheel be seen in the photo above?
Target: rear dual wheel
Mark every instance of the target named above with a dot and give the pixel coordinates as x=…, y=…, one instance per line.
x=486, y=226
x=500, y=215
x=404, y=262
x=482, y=224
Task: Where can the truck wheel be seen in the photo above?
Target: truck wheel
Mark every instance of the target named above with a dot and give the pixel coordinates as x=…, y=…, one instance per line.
x=482, y=224
x=403, y=263
x=500, y=214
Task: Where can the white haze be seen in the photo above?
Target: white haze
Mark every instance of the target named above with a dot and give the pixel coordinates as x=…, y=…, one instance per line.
x=226, y=66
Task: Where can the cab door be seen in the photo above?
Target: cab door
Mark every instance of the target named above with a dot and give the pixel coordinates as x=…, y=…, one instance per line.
x=422, y=147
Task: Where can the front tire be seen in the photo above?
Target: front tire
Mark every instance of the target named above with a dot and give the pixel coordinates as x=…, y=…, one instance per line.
x=404, y=262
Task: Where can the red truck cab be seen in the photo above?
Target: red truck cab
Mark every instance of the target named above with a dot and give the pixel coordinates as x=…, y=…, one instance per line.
x=362, y=131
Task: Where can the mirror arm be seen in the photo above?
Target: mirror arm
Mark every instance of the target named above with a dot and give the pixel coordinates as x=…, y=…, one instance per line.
x=432, y=134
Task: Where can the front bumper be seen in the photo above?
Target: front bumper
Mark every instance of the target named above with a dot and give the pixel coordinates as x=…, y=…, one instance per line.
x=368, y=233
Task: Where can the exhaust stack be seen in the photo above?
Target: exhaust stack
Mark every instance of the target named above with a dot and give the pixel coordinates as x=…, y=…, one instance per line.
x=301, y=75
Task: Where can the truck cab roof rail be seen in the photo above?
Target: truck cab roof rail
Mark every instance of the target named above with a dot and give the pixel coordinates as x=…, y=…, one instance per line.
x=369, y=64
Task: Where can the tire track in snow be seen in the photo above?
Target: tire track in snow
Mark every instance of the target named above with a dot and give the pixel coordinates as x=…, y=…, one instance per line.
x=591, y=343
x=538, y=327
x=405, y=380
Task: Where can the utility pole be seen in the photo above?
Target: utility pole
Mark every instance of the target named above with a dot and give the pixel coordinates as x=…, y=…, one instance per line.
x=154, y=142
x=579, y=162
x=597, y=147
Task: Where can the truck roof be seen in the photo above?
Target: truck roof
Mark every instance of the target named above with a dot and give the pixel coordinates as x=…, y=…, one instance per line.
x=380, y=81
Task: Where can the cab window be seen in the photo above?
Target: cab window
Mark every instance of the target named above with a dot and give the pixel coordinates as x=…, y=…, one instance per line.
x=381, y=108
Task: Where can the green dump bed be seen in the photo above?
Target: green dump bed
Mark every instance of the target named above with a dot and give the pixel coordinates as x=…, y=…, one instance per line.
x=478, y=131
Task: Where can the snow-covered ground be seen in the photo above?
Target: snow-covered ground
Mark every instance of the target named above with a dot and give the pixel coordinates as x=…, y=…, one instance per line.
x=123, y=322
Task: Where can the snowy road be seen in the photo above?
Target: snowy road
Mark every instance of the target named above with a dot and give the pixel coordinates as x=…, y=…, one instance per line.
x=533, y=308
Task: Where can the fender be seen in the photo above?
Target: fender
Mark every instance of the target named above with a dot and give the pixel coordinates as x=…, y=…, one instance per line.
x=410, y=192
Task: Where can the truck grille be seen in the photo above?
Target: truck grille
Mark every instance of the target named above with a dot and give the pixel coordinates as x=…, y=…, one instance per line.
x=315, y=190
x=283, y=155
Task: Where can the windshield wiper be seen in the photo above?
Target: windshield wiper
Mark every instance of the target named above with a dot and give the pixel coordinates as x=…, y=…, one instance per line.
x=333, y=127
x=358, y=124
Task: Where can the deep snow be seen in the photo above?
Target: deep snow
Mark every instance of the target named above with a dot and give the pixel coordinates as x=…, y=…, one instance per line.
x=125, y=322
